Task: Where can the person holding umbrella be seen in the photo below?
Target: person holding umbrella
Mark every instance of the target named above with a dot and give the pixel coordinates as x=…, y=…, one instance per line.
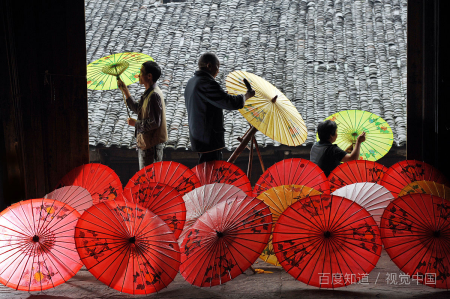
x=328, y=155
x=205, y=100
x=150, y=127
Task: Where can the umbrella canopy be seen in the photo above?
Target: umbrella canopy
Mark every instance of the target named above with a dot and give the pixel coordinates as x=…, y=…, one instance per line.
x=37, y=249
x=327, y=241
x=200, y=200
x=222, y=172
x=127, y=247
x=75, y=196
x=294, y=171
x=102, y=73
x=170, y=173
x=277, y=119
x=225, y=241
x=426, y=187
x=351, y=123
x=415, y=229
x=405, y=172
x=101, y=181
x=372, y=197
x=279, y=199
x=160, y=199
x=357, y=171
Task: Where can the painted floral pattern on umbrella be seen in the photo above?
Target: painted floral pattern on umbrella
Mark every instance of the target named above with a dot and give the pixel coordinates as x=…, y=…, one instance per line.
x=279, y=199
x=322, y=237
x=162, y=200
x=225, y=241
x=294, y=171
x=356, y=172
x=37, y=249
x=223, y=172
x=405, y=172
x=167, y=172
x=426, y=187
x=415, y=229
x=127, y=247
x=101, y=181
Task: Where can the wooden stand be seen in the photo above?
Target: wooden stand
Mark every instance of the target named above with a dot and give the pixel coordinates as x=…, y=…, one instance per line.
x=249, y=135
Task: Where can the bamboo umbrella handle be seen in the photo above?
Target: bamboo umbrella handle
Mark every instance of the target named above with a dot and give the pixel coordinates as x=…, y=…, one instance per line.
x=124, y=99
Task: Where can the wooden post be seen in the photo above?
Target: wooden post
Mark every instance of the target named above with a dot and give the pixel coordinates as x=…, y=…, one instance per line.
x=250, y=160
x=259, y=154
x=245, y=140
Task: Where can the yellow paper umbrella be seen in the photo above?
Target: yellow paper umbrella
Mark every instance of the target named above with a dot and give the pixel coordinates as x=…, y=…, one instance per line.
x=351, y=123
x=102, y=74
x=426, y=187
x=279, y=199
x=269, y=110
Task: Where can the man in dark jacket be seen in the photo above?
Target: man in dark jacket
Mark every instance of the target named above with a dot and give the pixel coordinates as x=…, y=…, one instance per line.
x=205, y=100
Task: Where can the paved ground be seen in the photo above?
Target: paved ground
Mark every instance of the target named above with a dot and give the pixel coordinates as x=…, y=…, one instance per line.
x=278, y=284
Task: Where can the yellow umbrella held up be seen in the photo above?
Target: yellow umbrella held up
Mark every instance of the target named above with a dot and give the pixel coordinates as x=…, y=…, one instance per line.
x=269, y=111
x=102, y=74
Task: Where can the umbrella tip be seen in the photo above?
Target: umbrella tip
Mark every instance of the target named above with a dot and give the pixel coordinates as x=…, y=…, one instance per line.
x=35, y=238
x=274, y=99
x=133, y=240
x=437, y=233
x=327, y=234
x=219, y=234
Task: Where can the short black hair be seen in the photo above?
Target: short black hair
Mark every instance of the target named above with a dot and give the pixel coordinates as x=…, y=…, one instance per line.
x=153, y=68
x=206, y=58
x=326, y=129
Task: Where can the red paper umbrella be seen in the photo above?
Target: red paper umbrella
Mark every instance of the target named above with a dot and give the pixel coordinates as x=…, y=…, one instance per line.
x=100, y=180
x=225, y=241
x=75, y=196
x=415, y=229
x=37, y=249
x=200, y=200
x=127, y=247
x=327, y=241
x=294, y=171
x=222, y=172
x=162, y=200
x=170, y=173
x=372, y=197
x=357, y=171
x=402, y=173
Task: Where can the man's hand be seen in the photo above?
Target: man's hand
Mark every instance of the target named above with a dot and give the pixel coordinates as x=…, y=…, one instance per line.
x=361, y=138
x=122, y=86
x=131, y=121
x=249, y=94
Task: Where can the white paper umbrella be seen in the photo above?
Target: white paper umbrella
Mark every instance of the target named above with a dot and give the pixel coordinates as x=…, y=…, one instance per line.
x=373, y=197
x=75, y=196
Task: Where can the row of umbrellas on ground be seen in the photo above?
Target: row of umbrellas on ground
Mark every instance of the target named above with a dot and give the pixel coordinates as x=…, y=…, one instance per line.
x=210, y=225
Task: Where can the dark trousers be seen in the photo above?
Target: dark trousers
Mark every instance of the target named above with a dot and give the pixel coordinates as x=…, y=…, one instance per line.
x=211, y=156
x=151, y=155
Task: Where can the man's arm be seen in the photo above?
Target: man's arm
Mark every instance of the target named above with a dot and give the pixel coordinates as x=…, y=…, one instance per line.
x=131, y=103
x=215, y=95
x=356, y=149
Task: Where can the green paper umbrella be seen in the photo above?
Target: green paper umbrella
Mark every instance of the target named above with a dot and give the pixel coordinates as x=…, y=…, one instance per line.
x=103, y=73
x=351, y=123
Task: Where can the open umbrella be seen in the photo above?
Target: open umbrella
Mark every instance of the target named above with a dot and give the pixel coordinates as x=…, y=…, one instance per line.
x=279, y=199
x=75, y=196
x=415, y=229
x=327, y=241
x=357, y=171
x=127, y=247
x=160, y=199
x=372, y=197
x=167, y=172
x=222, y=172
x=37, y=249
x=269, y=110
x=351, y=123
x=426, y=187
x=200, y=200
x=101, y=181
x=294, y=171
x=102, y=73
x=225, y=241
x=405, y=172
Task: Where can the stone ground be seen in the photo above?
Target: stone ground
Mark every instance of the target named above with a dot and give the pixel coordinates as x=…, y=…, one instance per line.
x=278, y=284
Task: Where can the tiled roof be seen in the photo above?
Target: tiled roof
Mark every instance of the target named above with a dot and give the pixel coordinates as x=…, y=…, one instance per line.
x=325, y=55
